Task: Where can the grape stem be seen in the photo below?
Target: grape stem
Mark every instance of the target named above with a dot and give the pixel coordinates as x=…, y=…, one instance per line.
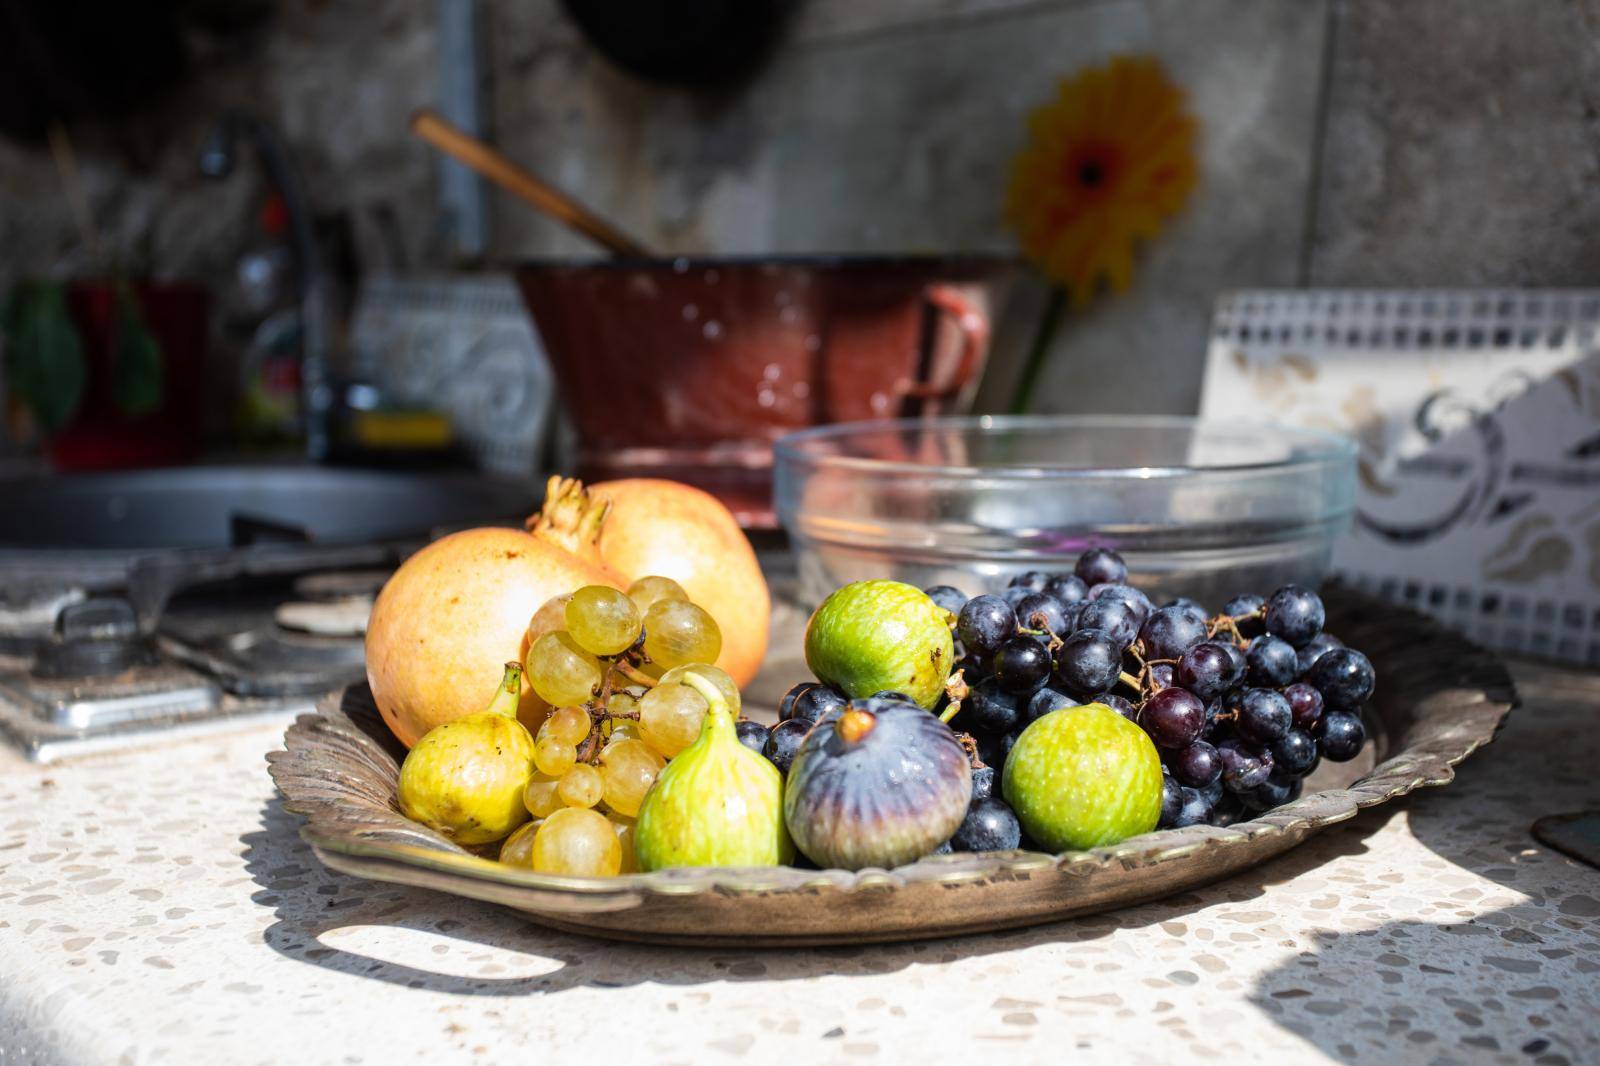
x=627, y=670
x=1129, y=680
x=956, y=688
x=1229, y=624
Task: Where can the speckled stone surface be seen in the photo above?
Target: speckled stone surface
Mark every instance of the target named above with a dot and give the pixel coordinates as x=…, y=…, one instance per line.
x=160, y=907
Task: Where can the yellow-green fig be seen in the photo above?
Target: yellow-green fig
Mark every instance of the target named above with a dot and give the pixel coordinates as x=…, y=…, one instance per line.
x=465, y=778
x=717, y=803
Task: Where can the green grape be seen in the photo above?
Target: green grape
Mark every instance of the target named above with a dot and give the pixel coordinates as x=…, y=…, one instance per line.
x=518, y=847
x=623, y=827
x=569, y=725
x=577, y=841
x=619, y=729
x=602, y=620
x=550, y=617
x=627, y=770
x=561, y=672
x=713, y=674
x=540, y=796
x=649, y=590
x=677, y=632
x=669, y=718
x=581, y=786
x=553, y=757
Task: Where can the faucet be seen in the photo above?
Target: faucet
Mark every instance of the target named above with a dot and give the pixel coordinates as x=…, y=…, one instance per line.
x=217, y=158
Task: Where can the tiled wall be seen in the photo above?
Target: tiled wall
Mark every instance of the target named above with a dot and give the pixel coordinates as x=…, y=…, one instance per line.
x=1438, y=142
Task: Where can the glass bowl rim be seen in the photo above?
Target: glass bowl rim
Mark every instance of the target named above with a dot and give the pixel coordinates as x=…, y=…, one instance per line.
x=1328, y=447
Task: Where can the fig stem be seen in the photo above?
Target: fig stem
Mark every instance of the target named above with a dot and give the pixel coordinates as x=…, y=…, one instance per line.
x=509, y=694
x=708, y=690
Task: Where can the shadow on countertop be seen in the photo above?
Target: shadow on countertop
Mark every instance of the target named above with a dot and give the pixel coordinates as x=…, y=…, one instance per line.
x=1519, y=983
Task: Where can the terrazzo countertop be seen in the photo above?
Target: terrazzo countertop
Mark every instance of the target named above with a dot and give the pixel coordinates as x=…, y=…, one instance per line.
x=159, y=906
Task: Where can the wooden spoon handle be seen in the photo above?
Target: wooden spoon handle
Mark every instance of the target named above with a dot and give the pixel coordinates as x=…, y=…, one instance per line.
x=467, y=149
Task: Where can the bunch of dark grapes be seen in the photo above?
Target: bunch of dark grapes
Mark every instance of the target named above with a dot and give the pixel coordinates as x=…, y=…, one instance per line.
x=1242, y=705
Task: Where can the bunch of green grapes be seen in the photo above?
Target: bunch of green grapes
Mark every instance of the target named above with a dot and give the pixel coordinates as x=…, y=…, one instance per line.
x=611, y=663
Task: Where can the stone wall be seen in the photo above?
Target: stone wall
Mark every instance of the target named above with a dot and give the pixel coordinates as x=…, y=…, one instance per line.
x=1346, y=142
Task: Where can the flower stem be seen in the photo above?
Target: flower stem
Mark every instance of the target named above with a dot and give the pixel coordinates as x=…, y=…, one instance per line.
x=1022, y=399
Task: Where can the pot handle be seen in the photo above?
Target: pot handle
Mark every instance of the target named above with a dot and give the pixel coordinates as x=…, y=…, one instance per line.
x=974, y=328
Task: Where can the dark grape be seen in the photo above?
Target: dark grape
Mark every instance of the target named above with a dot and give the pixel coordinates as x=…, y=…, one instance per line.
x=1089, y=661
x=1243, y=767
x=1264, y=716
x=992, y=751
x=1306, y=704
x=1171, y=803
x=1236, y=657
x=1315, y=649
x=1275, y=791
x=1196, y=765
x=1121, y=704
x=1127, y=594
x=1189, y=607
x=1271, y=662
x=1042, y=611
x=1294, y=753
x=1206, y=670
x=786, y=705
x=991, y=708
x=988, y=826
x=1171, y=631
x=1161, y=676
x=784, y=741
x=943, y=849
x=1242, y=609
x=752, y=735
x=1295, y=614
x=1340, y=736
x=1068, y=588
x=1196, y=808
x=985, y=623
x=811, y=701
x=1240, y=606
x=1173, y=717
x=892, y=695
x=1015, y=595
x=1032, y=580
x=1043, y=702
x=1227, y=810
x=1021, y=665
x=982, y=782
x=1100, y=566
x=1114, y=617
x=951, y=599
x=1344, y=677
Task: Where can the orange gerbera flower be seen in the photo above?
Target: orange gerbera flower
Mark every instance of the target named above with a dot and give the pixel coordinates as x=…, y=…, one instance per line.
x=1110, y=158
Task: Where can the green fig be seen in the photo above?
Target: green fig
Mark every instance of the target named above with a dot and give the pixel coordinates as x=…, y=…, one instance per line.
x=881, y=636
x=1081, y=777
x=465, y=778
x=717, y=803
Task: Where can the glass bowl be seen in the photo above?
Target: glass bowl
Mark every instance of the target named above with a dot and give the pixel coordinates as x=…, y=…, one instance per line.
x=1205, y=509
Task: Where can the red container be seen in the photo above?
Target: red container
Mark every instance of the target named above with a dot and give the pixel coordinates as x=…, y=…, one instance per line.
x=690, y=368
x=100, y=436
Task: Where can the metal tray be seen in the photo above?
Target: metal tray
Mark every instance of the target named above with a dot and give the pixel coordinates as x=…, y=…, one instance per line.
x=1439, y=699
